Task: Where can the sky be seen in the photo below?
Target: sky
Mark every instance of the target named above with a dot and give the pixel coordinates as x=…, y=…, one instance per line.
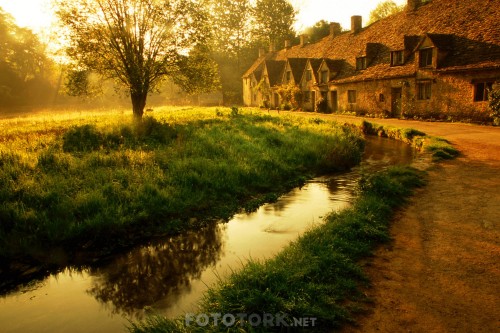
x=36, y=14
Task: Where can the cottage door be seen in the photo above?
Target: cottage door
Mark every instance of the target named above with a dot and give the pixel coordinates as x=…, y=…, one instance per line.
x=313, y=100
x=333, y=95
x=396, y=94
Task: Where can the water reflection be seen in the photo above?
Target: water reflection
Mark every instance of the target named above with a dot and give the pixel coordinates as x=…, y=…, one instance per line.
x=170, y=275
x=157, y=272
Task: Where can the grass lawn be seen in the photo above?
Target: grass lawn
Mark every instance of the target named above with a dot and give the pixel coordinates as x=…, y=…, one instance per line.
x=100, y=181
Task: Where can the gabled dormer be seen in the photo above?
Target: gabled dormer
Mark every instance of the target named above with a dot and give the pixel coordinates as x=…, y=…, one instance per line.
x=273, y=72
x=294, y=68
x=328, y=70
x=432, y=50
x=400, y=55
x=310, y=74
x=364, y=59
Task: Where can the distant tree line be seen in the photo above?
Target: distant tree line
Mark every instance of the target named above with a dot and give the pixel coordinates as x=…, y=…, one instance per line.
x=26, y=72
x=141, y=45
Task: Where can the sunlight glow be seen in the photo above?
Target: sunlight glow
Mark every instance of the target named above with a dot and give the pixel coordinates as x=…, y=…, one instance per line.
x=33, y=14
x=37, y=14
x=312, y=11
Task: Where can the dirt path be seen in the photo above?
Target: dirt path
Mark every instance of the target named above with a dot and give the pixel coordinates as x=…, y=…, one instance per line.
x=441, y=273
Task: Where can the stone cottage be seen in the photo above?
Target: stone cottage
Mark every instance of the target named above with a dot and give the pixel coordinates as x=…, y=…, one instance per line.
x=436, y=59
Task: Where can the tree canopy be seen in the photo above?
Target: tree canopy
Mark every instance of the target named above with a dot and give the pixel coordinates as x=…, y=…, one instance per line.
x=141, y=42
x=319, y=30
x=273, y=21
x=26, y=73
x=383, y=10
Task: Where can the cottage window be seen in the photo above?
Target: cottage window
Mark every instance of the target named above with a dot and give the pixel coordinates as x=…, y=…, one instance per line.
x=324, y=77
x=308, y=75
x=351, y=96
x=397, y=58
x=288, y=76
x=425, y=56
x=481, y=91
x=424, y=90
x=361, y=63
x=381, y=98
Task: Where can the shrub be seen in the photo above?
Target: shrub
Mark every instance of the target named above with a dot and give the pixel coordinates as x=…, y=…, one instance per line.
x=494, y=99
x=82, y=139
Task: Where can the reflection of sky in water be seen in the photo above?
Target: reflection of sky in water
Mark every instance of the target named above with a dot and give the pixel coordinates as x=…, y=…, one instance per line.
x=169, y=276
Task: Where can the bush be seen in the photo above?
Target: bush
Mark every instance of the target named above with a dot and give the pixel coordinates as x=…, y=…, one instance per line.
x=494, y=99
x=84, y=138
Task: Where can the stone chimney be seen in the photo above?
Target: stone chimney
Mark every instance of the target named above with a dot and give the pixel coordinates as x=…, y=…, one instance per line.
x=262, y=52
x=303, y=39
x=288, y=44
x=412, y=5
x=335, y=29
x=356, y=23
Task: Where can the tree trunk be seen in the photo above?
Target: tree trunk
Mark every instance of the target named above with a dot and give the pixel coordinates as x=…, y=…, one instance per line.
x=138, y=104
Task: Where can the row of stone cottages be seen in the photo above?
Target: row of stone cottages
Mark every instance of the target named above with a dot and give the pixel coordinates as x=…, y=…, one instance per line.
x=436, y=59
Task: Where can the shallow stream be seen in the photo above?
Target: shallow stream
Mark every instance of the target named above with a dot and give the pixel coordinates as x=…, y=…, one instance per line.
x=169, y=276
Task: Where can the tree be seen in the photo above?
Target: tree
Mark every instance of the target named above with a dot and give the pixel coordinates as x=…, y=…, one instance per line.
x=231, y=40
x=319, y=30
x=383, y=10
x=25, y=69
x=139, y=43
x=274, y=20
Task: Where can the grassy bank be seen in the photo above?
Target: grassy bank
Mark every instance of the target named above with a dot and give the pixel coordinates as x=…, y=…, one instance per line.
x=317, y=276
x=100, y=182
x=439, y=148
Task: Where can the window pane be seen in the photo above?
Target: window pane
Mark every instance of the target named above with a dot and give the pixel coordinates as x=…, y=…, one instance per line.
x=351, y=96
x=425, y=57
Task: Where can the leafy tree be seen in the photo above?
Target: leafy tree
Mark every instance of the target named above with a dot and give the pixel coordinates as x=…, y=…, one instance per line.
x=231, y=39
x=140, y=42
x=274, y=20
x=319, y=30
x=25, y=69
x=383, y=10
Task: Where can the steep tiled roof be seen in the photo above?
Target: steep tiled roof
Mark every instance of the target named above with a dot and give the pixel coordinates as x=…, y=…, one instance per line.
x=315, y=63
x=469, y=30
x=297, y=66
x=274, y=70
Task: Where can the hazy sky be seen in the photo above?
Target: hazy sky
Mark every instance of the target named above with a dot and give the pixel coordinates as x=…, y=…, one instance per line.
x=36, y=14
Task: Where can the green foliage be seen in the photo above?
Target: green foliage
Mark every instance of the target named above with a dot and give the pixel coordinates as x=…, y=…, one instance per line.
x=383, y=10
x=316, y=276
x=441, y=149
x=273, y=21
x=89, y=179
x=319, y=30
x=140, y=55
x=291, y=96
x=494, y=103
x=26, y=72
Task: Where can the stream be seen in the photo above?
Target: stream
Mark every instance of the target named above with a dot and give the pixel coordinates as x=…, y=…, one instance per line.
x=169, y=276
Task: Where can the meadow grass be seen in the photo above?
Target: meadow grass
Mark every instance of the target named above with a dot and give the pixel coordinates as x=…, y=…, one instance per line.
x=317, y=276
x=101, y=181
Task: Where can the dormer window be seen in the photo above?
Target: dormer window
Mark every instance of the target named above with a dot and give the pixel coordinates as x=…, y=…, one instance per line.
x=324, y=77
x=361, y=63
x=425, y=57
x=288, y=76
x=397, y=58
x=308, y=75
